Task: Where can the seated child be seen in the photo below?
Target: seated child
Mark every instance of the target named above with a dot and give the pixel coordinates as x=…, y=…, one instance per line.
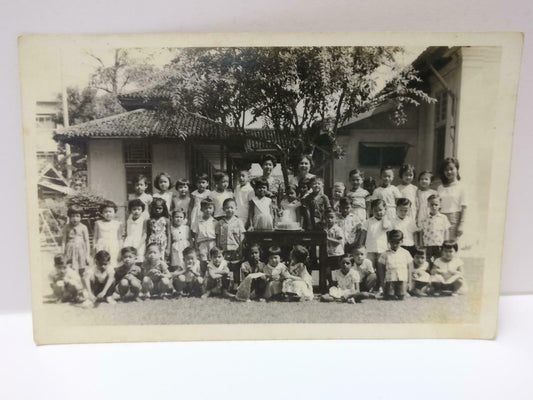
x=156, y=280
x=99, y=281
x=395, y=261
x=347, y=282
x=447, y=271
x=229, y=232
x=252, y=278
x=65, y=282
x=128, y=275
x=136, y=227
x=188, y=277
x=335, y=243
x=297, y=282
x=274, y=271
x=365, y=269
x=419, y=273
x=219, y=277
x=206, y=237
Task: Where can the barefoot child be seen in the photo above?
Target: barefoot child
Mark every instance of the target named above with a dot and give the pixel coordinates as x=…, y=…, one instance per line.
x=128, y=275
x=252, y=278
x=99, y=280
x=447, y=271
x=297, y=282
x=189, y=278
x=108, y=232
x=206, y=233
x=76, y=245
x=65, y=281
x=180, y=238
x=136, y=227
x=395, y=261
x=347, y=282
x=157, y=278
x=365, y=269
x=419, y=273
x=219, y=277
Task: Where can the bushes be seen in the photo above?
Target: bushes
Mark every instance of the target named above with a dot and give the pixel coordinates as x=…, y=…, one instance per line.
x=90, y=203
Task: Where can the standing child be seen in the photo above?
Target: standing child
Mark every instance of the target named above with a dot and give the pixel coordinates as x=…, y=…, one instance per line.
x=65, y=282
x=453, y=196
x=419, y=273
x=76, y=241
x=260, y=211
x=180, y=239
x=253, y=283
x=408, y=191
x=136, y=227
x=220, y=193
x=99, y=280
x=108, y=232
x=291, y=207
x=156, y=276
x=128, y=275
x=357, y=194
x=349, y=223
x=274, y=271
x=188, y=278
x=182, y=200
x=424, y=191
x=347, y=278
x=158, y=227
x=140, y=184
x=163, y=183
x=202, y=192
x=337, y=193
x=374, y=237
x=435, y=228
x=395, y=261
x=315, y=205
x=219, y=277
x=243, y=194
x=405, y=223
x=206, y=236
x=297, y=282
x=335, y=243
x=447, y=271
x=365, y=269
x=229, y=232
x=387, y=191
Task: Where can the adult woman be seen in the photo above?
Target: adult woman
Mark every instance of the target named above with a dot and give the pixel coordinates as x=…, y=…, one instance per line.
x=453, y=196
x=305, y=163
x=268, y=163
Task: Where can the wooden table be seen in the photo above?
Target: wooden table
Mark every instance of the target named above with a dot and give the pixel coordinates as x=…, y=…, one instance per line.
x=285, y=239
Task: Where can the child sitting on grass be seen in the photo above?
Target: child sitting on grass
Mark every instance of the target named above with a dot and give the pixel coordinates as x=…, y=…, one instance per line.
x=419, y=273
x=447, y=271
x=297, y=282
x=274, y=271
x=188, y=278
x=219, y=277
x=253, y=283
x=65, y=281
x=128, y=274
x=365, y=269
x=347, y=283
x=156, y=281
x=395, y=261
x=99, y=281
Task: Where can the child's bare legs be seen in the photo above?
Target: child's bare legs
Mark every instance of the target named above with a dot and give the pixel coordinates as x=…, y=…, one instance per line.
x=147, y=286
x=368, y=284
x=380, y=271
x=59, y=290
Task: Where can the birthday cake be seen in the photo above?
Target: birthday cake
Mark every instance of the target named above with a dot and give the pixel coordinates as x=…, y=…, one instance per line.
x=288, y=226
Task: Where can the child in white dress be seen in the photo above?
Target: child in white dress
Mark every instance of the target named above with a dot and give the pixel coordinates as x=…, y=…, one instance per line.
x=163, y=183
x=419, y=275
x=357, y=194
x=290, y=207
x=136, y=227
x=158, y=227
x=202, y=192
x=260, y=214
x=274, y=271
x=297, y=282
x=180, y=239
x=252, y=278
x=108, y=232
x=243, y=194
x=182, y=200
x=447, y=271
x=347, y=281
x=76, y=246
x=387, y=191
x=408, y=191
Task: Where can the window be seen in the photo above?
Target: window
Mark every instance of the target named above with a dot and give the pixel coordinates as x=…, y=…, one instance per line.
x=44, y=122
x=137, y=160
x=379, y=154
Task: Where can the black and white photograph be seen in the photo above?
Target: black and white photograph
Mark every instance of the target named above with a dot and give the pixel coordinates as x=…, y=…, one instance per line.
x=266, y=189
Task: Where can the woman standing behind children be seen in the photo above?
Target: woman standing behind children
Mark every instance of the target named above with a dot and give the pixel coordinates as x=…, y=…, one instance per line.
x=297, y=282
x=182, y=200
x=453, y=196
x=202, y=192
x=260, y=212
x=387, y=191
x=76, y=241
x=163, y=183
x=136, y=227
x=158, y=227
x=357, y=194
x=220, y=193
x=180, y=237
x=108, y=232
x=408, y=191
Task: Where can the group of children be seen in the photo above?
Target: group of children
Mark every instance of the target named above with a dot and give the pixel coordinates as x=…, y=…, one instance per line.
x=385, y=241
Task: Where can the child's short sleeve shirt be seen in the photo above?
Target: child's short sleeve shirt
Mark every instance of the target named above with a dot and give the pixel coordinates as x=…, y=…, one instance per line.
x=434, y=229
x=408, y=227
x=365, y=268
x=229, y=233
x=450, y=268
x=376, y=235
x=218, y=199
x=348, y=281
x=396, y=264
x=206, y=229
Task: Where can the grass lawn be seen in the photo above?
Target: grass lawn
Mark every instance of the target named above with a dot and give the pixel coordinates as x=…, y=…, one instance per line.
x=222, y=311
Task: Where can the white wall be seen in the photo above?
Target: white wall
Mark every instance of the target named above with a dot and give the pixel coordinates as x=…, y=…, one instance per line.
x=169, y=157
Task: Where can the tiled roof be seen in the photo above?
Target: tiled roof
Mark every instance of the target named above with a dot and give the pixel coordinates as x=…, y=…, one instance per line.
x=145, y=98
x=147, y=123
x=285, y=141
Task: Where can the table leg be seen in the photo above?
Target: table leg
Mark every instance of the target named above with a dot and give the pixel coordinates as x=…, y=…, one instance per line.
x=322, y=284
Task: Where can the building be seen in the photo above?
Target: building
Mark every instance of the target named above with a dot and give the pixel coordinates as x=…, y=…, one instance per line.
x=46, y=112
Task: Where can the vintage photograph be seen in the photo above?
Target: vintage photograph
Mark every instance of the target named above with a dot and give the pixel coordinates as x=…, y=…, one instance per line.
x=252, y=189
